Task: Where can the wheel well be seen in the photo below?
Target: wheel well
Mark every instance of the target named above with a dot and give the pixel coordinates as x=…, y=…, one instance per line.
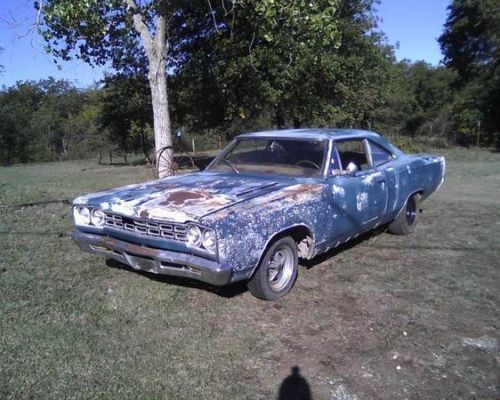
x=302, y=236
x=419, y=193
x=416, y=192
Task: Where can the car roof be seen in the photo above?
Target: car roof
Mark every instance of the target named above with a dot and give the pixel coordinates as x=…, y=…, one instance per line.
x=312, y=134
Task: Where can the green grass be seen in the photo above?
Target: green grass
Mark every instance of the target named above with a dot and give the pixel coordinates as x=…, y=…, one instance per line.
x=72, y=327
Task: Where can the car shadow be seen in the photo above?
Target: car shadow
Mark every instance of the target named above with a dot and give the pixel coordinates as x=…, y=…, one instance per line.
x=228, y=291
x=238, y=288
x=341, y=248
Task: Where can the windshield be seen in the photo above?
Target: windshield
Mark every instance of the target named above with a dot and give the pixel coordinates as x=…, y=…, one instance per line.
x=291, y=157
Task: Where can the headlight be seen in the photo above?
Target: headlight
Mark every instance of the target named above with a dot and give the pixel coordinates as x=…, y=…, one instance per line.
x=97, y=217
x=81, y=215
x=202, y=238
x=194, y=236
x=209, y=240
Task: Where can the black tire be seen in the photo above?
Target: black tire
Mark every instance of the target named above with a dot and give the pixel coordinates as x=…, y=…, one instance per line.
x=407, y=219
x=276, y=272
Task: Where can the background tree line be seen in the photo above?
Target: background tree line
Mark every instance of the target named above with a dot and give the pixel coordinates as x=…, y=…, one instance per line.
x=262, y=66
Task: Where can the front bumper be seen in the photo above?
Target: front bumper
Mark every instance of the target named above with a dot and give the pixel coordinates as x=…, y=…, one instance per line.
x=153, y=260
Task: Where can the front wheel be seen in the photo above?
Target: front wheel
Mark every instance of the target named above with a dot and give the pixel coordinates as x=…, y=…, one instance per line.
x=276, y=272
x=407, y=219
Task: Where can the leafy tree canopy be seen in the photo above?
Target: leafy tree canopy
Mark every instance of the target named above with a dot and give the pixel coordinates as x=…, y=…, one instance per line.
x=471, y=46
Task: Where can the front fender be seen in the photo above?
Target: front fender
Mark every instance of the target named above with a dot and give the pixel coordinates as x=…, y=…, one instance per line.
x=244, y=232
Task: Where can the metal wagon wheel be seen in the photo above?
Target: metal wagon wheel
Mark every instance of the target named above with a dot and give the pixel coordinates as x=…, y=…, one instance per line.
x=180, y=163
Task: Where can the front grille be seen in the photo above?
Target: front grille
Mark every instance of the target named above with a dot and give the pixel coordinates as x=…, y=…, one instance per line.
x=167, y=230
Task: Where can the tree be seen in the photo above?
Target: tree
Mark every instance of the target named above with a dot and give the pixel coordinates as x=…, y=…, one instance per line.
x=60, y=103
x=130, y=35
x=126, y=112
x=471, y=46
x=17, y=106
x=300, y=63
x=471, y=38
x=47, y=120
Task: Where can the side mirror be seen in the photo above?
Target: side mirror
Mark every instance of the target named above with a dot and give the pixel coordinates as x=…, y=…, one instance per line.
x=351, y=169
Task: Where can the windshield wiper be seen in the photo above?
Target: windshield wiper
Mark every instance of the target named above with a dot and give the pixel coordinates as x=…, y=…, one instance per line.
x=229, y=163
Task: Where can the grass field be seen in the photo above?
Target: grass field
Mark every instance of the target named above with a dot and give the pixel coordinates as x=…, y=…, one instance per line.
x=413, y=317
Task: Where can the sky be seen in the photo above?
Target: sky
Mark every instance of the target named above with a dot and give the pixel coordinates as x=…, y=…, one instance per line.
x=411, y=25
x=415, y=25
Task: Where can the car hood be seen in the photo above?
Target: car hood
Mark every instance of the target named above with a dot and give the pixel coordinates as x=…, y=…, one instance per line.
x=181, y=199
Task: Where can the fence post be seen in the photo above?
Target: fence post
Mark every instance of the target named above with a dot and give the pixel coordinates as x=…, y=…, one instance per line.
x=477, y=139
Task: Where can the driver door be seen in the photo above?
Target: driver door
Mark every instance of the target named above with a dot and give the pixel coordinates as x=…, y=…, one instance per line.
x=358, y=198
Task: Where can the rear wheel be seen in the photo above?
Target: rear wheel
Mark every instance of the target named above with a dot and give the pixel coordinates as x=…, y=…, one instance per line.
x=277, y=271
x=407, y=219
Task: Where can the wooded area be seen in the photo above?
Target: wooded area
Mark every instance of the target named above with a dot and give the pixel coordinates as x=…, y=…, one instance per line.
x=252, y=65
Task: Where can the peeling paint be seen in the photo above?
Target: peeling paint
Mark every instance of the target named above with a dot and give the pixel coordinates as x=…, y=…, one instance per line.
x=370, y=179
x=338, y=190
x=361, y=201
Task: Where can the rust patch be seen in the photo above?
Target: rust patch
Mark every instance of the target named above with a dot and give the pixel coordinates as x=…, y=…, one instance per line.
x=179, y=198
x=303, y=189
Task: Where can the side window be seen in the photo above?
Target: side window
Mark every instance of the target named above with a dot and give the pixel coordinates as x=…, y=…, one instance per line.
x=379, y=155
x=352, y=151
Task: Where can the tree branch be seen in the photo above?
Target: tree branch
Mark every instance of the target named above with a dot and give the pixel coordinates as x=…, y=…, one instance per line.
x=251, y=54
x=141, y=27
x=213, y=16
x=160, y=41
x=39, y=13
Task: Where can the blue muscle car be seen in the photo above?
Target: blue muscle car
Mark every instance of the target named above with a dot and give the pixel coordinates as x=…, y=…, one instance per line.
x=266, y=200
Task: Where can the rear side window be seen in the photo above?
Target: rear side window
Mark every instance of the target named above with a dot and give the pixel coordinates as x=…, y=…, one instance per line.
x=379, y=154
x=352, y=151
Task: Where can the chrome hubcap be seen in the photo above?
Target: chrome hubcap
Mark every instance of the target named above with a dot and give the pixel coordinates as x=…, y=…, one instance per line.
x=280, y=268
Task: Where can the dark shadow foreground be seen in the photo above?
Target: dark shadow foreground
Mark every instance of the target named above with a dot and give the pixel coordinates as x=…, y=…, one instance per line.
x=228, y=291
x=238, y=288
x=343, y=247
x=294, y=387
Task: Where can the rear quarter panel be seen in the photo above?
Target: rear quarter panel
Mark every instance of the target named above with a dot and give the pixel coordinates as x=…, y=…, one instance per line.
x=413, y=173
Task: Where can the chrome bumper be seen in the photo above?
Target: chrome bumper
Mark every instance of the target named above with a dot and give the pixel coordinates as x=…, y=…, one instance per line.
x=156, y=261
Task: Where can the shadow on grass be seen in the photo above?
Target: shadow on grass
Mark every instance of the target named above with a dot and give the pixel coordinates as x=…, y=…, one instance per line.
x=238, y=288
x=366, y=237
x=341, y=248
x=228, y=291
x=294, y=387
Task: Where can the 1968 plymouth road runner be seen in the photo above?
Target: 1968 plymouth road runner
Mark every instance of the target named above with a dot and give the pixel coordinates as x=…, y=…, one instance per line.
x=266, y=200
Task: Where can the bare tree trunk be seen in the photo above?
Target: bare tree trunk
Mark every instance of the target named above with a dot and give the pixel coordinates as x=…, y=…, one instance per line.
x=279, y=117
x=156, y=47
x=161, y=116
x=144, y=149
x=64, y=152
